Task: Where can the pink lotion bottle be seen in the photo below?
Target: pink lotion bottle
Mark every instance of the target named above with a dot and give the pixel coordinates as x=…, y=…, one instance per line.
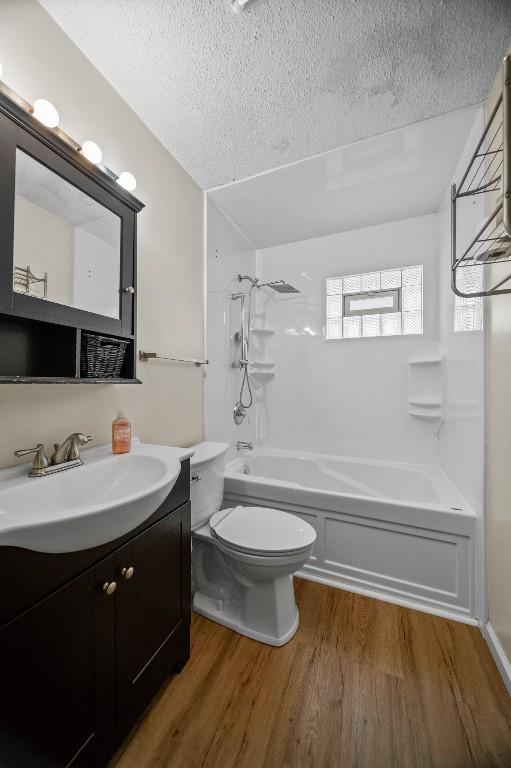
x=121, y=434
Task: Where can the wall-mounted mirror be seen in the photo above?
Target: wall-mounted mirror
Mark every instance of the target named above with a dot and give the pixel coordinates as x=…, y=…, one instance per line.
x=67, y=246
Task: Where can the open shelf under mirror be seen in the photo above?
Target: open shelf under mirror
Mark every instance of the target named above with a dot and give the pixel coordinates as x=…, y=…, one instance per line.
x=47, y=353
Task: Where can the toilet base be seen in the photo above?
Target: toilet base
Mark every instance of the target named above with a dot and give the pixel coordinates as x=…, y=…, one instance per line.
x=230, y=615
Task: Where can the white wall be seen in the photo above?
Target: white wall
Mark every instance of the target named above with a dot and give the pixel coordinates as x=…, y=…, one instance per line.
x=39, y=60
x=498, y=433
x=345, y=397
x=228, y=254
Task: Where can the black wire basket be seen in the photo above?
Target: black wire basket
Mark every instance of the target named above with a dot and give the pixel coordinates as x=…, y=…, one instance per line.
x=102, y=356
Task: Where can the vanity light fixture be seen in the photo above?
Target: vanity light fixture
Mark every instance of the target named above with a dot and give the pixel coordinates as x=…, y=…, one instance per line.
x=44, y=111
x=92, y=152
x=47, y=114
x=127, y=181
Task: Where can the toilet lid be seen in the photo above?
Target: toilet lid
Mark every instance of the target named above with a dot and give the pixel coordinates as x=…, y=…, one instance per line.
x=259, y=529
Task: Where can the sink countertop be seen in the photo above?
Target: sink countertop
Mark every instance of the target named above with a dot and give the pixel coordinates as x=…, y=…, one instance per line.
x=12, y=475
x=89, y=505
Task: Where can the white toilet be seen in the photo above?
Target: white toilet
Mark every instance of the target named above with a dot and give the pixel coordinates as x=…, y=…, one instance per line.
x=243, y=558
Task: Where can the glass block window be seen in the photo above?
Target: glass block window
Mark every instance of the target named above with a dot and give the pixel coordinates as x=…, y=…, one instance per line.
x=386, y=303
x=468, y=313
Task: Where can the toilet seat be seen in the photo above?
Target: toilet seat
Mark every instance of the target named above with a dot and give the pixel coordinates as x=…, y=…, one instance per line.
x=262, y=531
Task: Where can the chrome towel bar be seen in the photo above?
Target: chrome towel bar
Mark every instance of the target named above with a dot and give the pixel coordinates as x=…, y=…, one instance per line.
x=145, y=356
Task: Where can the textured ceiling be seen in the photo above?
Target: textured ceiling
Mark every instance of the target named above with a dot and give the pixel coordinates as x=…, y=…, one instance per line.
x=233, y=95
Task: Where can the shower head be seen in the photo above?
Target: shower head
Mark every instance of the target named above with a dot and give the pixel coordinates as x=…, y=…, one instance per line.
x=280, y=286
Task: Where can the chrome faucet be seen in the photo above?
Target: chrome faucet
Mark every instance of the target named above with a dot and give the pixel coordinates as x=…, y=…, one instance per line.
x=244, y=444
x=68, y=450
x=65, y=456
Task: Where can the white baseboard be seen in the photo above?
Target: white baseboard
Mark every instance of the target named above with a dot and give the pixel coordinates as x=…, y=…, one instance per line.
x=376, y=595
x=499, y=655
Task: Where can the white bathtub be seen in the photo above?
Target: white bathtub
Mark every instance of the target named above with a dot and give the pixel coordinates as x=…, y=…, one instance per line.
x=400, y=532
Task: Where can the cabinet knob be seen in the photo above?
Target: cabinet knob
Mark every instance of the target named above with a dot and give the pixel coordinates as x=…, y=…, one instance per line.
x=109, y=587
x=128, y=572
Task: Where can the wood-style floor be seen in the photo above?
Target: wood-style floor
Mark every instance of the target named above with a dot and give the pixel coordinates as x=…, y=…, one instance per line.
x=362, y=684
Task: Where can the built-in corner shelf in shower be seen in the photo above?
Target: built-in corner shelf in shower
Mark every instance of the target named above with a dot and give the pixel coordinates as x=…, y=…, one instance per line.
x=263, y=331
x=257, y=364
x=261, y=373
x=426, y=385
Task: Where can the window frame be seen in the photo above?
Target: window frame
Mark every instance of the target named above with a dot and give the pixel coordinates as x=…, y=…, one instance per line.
x=407, y=311
x=348, y=297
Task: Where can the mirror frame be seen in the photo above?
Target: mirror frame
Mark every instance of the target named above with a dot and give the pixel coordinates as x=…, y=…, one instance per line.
x=20, y=130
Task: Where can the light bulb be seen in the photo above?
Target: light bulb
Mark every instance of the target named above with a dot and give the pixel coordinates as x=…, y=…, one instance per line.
x=127, y=181
x=92, y=152
x=238, y=5
x=46, y=113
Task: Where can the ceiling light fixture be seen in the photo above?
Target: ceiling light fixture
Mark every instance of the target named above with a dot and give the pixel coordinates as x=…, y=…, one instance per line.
x=92, y=152
x=44, y=111
x=238, y=5
x=127, y=181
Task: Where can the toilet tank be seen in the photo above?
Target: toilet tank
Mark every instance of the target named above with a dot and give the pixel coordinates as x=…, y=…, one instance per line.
x=207, y=490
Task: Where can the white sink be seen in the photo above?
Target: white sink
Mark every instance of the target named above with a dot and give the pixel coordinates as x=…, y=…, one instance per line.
x=89, y=505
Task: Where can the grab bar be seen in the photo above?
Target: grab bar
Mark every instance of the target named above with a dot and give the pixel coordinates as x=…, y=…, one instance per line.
x=145, y=356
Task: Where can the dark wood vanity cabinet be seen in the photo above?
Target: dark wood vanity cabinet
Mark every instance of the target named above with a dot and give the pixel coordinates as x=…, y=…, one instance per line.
x=151, y=614
x=80, y=666
x=50, y=679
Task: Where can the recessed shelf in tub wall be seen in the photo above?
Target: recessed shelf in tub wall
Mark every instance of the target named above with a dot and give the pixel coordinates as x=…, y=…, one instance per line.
x=263, y=331
x=430, y=360
x=426, y=387
x=423, y=402
x=261, y=372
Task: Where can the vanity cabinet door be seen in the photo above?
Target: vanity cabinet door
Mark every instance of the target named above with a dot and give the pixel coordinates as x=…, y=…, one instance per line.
x=49, y=683
x=152, y=612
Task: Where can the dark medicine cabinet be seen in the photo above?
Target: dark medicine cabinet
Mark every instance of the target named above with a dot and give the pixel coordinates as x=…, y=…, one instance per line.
x=67, y=260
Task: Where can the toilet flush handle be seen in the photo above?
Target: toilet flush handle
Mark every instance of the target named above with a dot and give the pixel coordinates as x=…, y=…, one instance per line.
x=195, y=477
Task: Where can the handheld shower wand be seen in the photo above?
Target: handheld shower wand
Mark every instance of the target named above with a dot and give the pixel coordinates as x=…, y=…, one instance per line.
x=279, y=286
x=240, y=409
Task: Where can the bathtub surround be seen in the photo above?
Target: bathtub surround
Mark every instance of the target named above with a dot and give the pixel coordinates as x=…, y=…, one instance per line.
x=461, y=439
x=461, y=442
x=38, y=59
x=344, y=397
x=353, y=397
